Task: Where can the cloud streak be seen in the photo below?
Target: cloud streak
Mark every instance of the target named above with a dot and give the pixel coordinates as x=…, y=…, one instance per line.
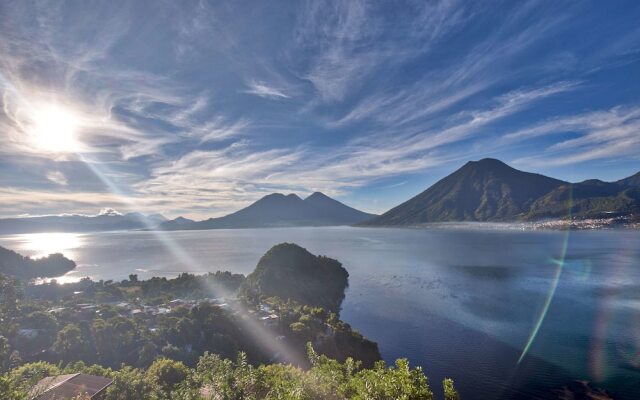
x=596, y=135
x=262, y=89
x=349, y=41
x=235, y=176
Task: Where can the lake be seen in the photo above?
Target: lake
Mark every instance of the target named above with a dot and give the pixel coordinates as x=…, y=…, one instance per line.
x=506, y=313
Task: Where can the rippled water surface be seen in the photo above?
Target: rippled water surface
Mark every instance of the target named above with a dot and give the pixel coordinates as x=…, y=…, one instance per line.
x=505, y=313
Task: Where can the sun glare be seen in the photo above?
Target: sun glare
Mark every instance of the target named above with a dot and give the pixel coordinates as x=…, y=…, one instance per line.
x=43, y=244
x=54, y=129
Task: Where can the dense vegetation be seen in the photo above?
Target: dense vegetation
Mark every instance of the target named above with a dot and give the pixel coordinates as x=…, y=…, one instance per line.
x=215, y=377
x=173, y=338
x=85, y=322
x=290, y=272
x=589, y=199
x=12, y=263
x=153, y=291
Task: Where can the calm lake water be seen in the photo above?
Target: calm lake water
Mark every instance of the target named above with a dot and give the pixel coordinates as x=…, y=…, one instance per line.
x=463, y=302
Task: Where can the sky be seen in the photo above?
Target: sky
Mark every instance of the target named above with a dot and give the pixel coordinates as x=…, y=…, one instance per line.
x=200, y=108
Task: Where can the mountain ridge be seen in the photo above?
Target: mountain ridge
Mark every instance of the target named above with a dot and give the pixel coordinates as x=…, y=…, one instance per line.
x=633, y=180
x=280, y=210
x=489, y=190
x=110, y=221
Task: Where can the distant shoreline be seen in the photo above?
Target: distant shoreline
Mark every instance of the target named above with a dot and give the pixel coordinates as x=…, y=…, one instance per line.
x=550, y=224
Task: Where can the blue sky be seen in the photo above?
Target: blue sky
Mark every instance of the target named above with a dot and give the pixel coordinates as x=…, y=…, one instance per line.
x=199, y=108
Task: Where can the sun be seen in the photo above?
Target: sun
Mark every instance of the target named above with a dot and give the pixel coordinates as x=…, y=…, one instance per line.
x=54, y=128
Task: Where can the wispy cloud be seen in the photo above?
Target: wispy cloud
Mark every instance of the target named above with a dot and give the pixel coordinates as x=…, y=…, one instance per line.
x=595, y=135
x=220, y=180
x=227, y=179
x=475, y=70
x=262, y=89
x=348, y=41
x=219, y=129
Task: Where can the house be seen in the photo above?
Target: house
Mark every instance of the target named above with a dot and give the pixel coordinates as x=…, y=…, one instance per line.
x=270, y=320
x=269, y=317
x=70, y=386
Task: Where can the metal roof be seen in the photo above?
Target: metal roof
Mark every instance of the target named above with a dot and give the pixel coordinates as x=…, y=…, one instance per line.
x=69, y=386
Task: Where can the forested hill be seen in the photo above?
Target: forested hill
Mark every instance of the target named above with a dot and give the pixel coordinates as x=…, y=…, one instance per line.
x=12, y=263
x=290, y=272
x=589, y=199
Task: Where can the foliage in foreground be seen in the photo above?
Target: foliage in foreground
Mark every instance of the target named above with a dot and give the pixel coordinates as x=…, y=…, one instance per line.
x=217, y=378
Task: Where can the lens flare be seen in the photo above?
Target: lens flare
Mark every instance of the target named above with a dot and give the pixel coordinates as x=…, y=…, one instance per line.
x=560, y=262
x=611, y=298
x=545, y=308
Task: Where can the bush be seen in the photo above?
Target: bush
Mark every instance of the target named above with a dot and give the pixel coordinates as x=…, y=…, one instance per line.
x=239, y=380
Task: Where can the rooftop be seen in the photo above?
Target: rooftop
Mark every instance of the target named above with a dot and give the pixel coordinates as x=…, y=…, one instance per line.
x=69, y=386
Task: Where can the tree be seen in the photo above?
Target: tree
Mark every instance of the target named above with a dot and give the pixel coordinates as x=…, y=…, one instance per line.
x=147, y=354
x=71, y=344
x=27, y=375
x=450, y=392
x=131, y=383
x=15, y=360
x=5, y=355
x=187, y=332
x=116, y=341
x=167, y=373
x=9, y=391
x=47, y=327
x=399, y=382
x=301, y=331
x=230, y=380
x=10, y=295
x=40, y=320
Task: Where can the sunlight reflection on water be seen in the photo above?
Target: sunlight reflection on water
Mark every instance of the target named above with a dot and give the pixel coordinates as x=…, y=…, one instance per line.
x=38, y=245
x=69, y=277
